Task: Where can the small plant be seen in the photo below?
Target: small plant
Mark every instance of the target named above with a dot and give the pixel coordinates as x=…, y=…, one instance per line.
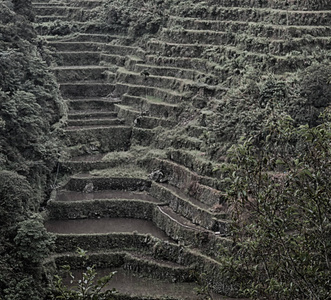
x=88, y=287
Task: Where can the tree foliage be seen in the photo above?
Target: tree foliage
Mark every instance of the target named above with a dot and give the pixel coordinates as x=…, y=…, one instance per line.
x=30, y=105
x=247, y=108
x=280, y=201
x=33, y=243
x=135, y=17
x=16, y=199
x=30, y=108
x=24, y=242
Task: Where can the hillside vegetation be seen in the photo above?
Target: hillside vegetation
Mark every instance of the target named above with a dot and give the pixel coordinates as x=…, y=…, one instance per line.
x=30, y=109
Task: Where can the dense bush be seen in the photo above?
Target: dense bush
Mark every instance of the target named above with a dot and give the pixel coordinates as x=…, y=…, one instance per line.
x=16, y=199
x=30, y=111
x=280, y=203
x=24, y=7
x=24, y=242
x=134, y=17
x=245, y=110
x=30, y=106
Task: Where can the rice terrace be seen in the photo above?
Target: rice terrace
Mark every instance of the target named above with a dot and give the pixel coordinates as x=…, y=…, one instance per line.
x=165, y=149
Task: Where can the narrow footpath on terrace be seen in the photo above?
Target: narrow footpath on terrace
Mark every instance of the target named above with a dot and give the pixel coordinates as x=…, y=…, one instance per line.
x=137, y=191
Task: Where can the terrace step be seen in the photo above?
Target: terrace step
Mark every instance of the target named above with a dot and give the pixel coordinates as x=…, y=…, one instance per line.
x=93, y=47
x=97, y=122
x=99, y=138
x=46, y=3
x=54, y=10
x=79, y=128
x=64, y=27
x=131, y=61
x=195, y=130
x=50, y=18
x=112, y=59
x=163, y=48
x=213, y=62
x=192, y=36
x=86, y=163
x=166, y=95
x=121, y=200
x=72, y=14
x=180, y=220
x=180, y=176
x=87, y=89
x=110, y=248
x=121, y=49
x=143, y=264
x=249, y=14
x=152, y=289
x=175, y=84
x=189, y=208
x=138, y=119
x=89, y=37
x=245, y=42
x=179, y=142
x=123, y=182
x=73, y=196
x=77, y=3
x=91, y=114
x=152, y=105
x=294, y=5
x=76, y=46
x=87, y=104
x=86, y=3
x=250, y=28
x=143, y=136
x=182, y=73
x=197, y=162
x=79, y=58
x=198, y=64
x=82, y=73
x=257, y=46
x=81, y=226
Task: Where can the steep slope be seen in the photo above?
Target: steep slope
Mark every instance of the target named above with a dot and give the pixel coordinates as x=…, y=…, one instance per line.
x=167, y=106
x=124, y=191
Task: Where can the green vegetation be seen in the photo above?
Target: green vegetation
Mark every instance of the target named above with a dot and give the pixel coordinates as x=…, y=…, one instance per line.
x=88, y=287
x=30, y=104
x=247, y=109
x=134, y=17
x=280, y=203
x=30, y=108
x=23, y=239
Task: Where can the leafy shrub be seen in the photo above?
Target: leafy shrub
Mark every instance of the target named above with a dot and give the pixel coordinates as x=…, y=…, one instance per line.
x=30, y=105
x=30, y=110
x=280, y=203
x=24, y=7
x=315, y=85
x=33, y=242
x=24, y=242
x=247, y=108
x=134, y=17
x=16, y=198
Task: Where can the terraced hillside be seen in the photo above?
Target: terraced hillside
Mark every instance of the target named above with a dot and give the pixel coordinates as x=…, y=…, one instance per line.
x=144, y=131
